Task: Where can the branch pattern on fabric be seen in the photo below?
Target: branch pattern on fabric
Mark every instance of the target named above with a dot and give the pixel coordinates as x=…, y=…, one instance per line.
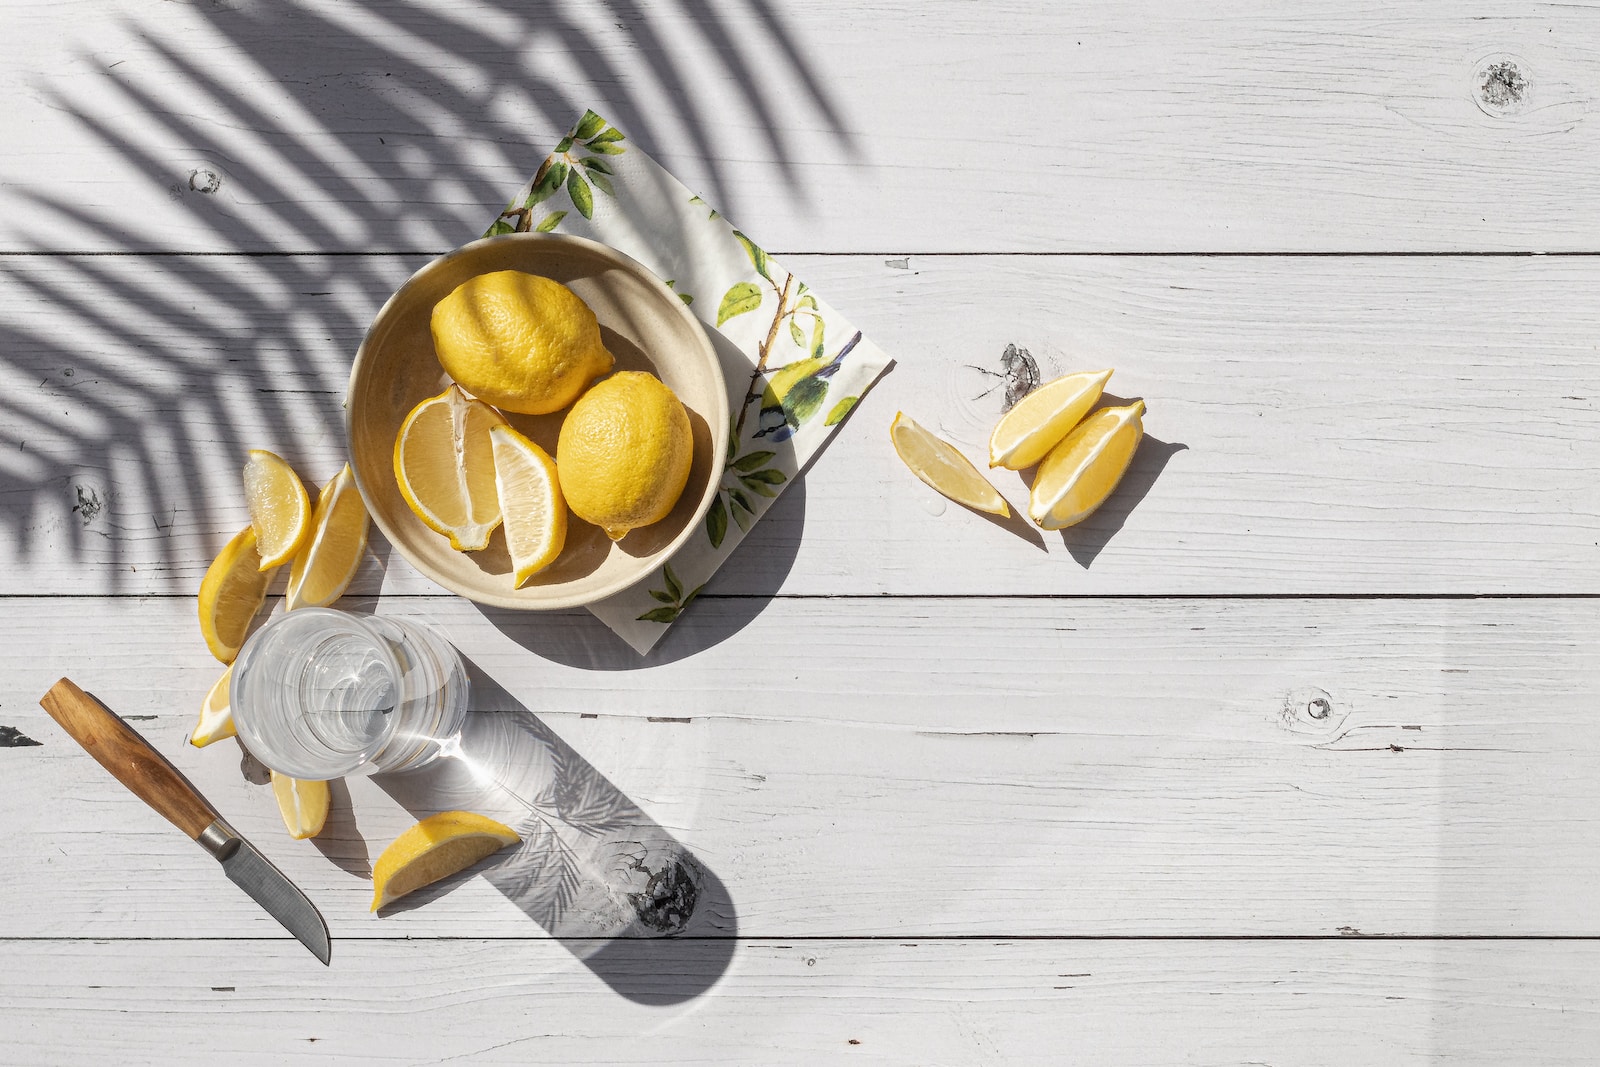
x=567, y=168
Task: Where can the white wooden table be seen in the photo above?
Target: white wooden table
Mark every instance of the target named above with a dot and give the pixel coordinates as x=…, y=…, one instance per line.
x=1289, y=756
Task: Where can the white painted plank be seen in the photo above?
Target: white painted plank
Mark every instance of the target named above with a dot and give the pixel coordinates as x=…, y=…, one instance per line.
x=1333, y=1003
x=895, y=125
x=1316, y=425
x=897, y=767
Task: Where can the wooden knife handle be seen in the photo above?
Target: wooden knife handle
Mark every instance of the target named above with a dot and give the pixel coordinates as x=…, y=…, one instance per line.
x=128, y=756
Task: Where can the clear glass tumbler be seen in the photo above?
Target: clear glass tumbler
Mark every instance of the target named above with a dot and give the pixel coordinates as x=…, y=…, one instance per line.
x=318, y=693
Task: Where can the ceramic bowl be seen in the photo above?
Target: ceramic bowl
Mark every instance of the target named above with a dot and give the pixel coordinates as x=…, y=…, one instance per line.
x=646, y=327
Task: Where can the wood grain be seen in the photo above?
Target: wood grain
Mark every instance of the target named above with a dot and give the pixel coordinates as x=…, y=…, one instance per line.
x=1335, y=1003
x=1142, y=793
x=1341, y=425
x=894, y=126
x=919, y=767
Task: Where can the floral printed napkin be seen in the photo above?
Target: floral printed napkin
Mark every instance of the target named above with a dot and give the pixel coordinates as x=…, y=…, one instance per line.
x=794, y=366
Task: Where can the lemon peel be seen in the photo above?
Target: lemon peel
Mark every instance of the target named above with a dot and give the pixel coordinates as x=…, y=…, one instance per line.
x=519, y=341
x=624, y=453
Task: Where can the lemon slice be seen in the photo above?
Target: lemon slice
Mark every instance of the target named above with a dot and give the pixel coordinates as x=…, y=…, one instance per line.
x=303, y=804
x=231, y=593
x=1039, y=421
x=445, y=466
x=534, y=511
x=216, y=717
x=322, y=570
x=1080, y=472
x=280, y=510
x=939, y=464
x=435, y=848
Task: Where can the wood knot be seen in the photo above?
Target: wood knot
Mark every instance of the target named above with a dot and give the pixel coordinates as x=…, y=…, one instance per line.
x=202, y=180
x=1501, y=85
x=1018, y=374
x=1310, y=710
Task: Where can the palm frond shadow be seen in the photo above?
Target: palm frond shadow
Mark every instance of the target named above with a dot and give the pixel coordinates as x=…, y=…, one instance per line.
x=592, y=868
x=134, y=385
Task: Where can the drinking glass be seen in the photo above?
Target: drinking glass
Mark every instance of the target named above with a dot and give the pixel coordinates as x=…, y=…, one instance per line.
x=318, y=693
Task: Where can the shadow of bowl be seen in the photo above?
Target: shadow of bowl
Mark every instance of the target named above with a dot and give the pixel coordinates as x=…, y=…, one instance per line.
x=577, y=638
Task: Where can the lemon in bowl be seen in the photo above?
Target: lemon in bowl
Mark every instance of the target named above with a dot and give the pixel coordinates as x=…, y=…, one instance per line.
x=625, y=451
x=643, y=325
x=519, y=341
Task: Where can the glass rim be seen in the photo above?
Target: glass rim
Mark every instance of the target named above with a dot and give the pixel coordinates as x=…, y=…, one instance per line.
x=252, y=646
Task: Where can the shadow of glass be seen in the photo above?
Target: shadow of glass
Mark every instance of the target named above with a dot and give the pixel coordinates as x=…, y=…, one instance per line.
x=627, y=898
x=406, y=119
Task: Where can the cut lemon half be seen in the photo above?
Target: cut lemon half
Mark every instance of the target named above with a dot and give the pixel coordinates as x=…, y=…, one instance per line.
x=445, y=466
x=216, y=716
x=531, y=504
x=436, y=848
x=303, y=804
x=938, y=463
x=322, y=570
x=231, y=593
x=1080, y=472
x=1039, y=421
x=280, y=510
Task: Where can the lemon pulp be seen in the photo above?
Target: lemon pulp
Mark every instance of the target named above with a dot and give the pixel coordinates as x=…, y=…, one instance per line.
x=435, y=848
x=942, y=466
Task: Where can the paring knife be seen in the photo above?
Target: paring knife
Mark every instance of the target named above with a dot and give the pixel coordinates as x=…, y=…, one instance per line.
x=137, y=765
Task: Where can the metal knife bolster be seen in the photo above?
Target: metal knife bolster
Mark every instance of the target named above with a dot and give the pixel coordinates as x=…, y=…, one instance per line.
x=219, y=839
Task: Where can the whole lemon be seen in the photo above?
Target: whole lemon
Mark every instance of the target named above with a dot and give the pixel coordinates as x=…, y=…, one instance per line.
x=624, y=452
x=518, y=341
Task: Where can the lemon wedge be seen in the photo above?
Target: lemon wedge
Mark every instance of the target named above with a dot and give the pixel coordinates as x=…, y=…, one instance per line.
x=231, y=593
x=533, y=509
x=1081, y=471
x=435, y=848
x=216, y=717
x=1039, y=421
x=304, y=804
x=938, y=463
x=445, y=466
x=280, y=510
x=322, y=570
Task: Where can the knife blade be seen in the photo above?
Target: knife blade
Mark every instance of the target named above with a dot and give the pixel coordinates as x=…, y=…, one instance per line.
x=135, y=763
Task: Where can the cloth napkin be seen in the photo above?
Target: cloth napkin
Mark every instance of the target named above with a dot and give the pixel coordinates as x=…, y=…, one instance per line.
x=794, y=366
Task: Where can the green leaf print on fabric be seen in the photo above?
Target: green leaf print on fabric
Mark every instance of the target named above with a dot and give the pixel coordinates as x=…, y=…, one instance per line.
x=837, y=413
x=562, y=170
x=672, y=597
x=740, y=298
